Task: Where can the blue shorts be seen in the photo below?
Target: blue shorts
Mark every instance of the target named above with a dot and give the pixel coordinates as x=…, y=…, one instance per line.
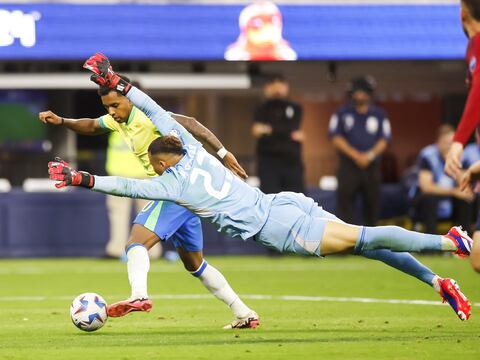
x=170, y=221
x=295, y=224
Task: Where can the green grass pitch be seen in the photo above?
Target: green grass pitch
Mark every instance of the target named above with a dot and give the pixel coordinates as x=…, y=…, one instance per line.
x=35, y=296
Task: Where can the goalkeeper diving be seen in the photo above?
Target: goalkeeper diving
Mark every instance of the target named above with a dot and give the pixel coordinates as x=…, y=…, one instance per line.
x=287, y=222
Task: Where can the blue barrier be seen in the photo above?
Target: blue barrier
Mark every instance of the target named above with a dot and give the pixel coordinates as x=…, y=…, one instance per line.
x=75, y=223
x=53, y=224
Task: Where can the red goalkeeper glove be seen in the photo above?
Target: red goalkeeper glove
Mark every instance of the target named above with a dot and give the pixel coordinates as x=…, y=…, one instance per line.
x=104, y=74
x=61, y=171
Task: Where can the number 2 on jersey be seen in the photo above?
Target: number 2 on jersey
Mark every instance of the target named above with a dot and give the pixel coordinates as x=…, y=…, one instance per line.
x=207, y=178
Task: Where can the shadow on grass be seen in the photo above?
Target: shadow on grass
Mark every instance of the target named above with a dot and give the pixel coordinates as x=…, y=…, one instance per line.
x=214, y=338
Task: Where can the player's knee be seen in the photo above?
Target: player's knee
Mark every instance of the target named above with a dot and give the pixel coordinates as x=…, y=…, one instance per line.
x=143, y=236
x=130, y=243
x=197, y=271
x=192, y=264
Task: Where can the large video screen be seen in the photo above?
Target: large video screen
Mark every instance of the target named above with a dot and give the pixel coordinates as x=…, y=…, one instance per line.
x=259, y=31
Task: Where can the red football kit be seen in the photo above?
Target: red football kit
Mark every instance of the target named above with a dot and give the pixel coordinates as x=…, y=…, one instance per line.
x=471, y=114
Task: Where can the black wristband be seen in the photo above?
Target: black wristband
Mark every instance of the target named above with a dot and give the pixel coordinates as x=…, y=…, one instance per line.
x=63, y=121
x=87, y=180
x=123, y=87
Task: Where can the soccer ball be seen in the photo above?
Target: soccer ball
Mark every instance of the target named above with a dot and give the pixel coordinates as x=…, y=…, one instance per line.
x=88, y=312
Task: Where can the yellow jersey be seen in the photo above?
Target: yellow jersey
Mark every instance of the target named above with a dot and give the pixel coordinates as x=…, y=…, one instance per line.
x=121, y=161
x=138, y=132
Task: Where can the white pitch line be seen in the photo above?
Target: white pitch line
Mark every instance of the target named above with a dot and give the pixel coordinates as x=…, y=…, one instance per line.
x=248, y=296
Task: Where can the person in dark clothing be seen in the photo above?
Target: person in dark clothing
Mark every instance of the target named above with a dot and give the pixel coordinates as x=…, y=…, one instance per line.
x=279, y=148
x=437, y=195
x=360, y=131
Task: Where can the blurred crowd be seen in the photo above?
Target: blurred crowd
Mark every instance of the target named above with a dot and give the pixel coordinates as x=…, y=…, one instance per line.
x=361, y=132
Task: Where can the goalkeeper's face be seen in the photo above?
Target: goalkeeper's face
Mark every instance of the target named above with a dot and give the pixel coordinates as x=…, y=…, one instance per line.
x=158, y=163
x=117, y=106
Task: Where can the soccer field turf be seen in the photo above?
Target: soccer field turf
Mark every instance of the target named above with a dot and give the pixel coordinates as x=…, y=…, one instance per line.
x=309, y=308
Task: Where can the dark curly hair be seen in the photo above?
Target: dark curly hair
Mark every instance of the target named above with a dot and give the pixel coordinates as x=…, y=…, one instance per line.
x=474, y=7
x=169, y=144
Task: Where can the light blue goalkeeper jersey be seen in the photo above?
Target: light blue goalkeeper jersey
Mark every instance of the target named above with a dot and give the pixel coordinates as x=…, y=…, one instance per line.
x=198, y=182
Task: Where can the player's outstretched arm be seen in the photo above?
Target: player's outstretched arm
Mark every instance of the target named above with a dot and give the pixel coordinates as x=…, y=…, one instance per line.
x=84, y=126
x=103, y=75
x=163, y=121
x=159, y=188
x=199, y=131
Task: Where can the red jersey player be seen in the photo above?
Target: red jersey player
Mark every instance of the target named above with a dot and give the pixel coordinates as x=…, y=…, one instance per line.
x=470, y=14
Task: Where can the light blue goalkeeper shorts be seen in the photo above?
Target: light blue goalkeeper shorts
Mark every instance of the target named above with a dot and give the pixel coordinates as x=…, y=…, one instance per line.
x=295, y=224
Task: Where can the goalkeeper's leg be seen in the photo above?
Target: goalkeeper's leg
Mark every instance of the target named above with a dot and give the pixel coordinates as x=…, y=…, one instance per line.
x=341, y=237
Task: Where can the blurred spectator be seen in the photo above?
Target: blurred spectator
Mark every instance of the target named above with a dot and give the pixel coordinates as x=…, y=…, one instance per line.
x=436, y=195
x=122, y=162
x=279, y=147
x=360, y=131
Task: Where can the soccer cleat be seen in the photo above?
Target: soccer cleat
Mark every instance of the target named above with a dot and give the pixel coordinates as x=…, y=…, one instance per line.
x=462, y=241
x=251, y=321
x=122, y=308
x=450, y=292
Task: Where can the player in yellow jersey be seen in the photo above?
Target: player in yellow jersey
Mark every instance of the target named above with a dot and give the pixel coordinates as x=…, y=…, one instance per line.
x=160, y=220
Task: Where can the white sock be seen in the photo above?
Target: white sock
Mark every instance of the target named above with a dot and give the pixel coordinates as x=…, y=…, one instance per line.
x=216, y=283
x=436, y=283
x=138, y=264
x=448, y=244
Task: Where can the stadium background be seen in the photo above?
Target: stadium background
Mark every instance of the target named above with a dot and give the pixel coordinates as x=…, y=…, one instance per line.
x=414, y=49
x=342, y=307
